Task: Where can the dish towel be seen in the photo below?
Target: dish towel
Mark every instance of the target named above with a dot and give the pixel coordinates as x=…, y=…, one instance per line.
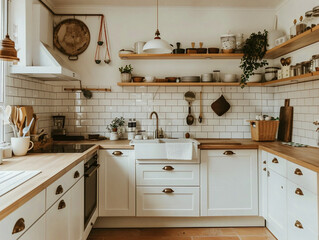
x=179, y=151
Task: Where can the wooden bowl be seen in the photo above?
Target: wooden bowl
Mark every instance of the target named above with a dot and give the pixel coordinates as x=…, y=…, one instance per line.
x=171, y=79
x=137, y=79
x=161, y=80
x=213, y=50
x=228, y=51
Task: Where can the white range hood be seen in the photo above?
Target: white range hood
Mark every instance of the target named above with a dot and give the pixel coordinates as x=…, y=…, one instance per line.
x=49, y=66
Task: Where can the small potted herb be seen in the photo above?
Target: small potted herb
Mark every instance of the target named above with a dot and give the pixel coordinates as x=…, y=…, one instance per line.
x=114, y=126
x=126, y=73
x=254, y=49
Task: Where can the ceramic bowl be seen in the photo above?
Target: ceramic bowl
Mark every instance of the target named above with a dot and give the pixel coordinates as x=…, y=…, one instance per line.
x=255, y=78
x=269, y=76
x=230, y=77
x=149, y=79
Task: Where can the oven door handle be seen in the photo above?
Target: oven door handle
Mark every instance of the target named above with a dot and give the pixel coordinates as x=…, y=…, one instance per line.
x=92, y=172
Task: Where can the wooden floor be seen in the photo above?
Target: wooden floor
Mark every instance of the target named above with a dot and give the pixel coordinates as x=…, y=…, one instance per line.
x=257, y=233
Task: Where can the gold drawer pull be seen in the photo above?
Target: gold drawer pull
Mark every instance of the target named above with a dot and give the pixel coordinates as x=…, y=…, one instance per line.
x=265, y=169
x=76, y=174
x=168, y=190
x=117, y=153
x=298, y=224
x=19, y=226
x=228, y=153
x=61, y=205
x=298, y=172
x=299, y=192
x=59, y=190
x=264, y=162
x=275, y=160
x=168, y=168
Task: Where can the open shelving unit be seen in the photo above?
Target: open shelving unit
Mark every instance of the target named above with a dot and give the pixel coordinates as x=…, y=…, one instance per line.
x=194, y=84
x=183, y=56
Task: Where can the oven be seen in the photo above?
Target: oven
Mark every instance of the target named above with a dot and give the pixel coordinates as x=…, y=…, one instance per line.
x=90, y=188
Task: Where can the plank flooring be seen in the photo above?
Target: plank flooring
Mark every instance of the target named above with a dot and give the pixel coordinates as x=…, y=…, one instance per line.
x=254, y=233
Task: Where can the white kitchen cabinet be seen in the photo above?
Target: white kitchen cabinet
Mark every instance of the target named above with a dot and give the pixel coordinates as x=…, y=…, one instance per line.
x=229, y=183
x=117, y=183
x=168, y=201
x=65, y=219
x=36, y=232
x=263, y=179
x=277, y=205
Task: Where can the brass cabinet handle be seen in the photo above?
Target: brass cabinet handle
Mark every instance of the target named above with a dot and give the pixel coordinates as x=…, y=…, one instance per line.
x=265, y=169
x=168, y=168
x=298, y=224
x=299, y=192
x=61, y=205
x=59, y=190
x=264, y=162
x=228, y=153
x=298, y=172
x=117, y=153
x=168, y=190
x=19, y=226
x=76, y=174
x=275, y=160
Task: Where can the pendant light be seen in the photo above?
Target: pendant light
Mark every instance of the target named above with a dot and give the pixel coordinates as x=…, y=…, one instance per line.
x=157, y=45
x=7, y=48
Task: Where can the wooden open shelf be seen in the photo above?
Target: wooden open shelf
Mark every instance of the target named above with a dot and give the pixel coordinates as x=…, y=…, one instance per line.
x=182, y=56
x=168, y=84
x=297, y=79
x=303, y=40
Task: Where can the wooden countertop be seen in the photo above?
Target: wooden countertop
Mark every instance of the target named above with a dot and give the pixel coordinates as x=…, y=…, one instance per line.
x=54, y=165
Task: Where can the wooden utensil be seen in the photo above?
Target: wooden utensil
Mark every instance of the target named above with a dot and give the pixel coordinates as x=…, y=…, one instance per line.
x=29, y=114
x=200, y=118
x=285, y=122
x=34, y=126
x=22, y=116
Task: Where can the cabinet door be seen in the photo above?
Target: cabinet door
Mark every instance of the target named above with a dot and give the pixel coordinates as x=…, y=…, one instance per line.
x=277, y=205
x=117, y=183
x=57, y=219
x=36, y=232
x=263, y=183
x=229, y=183
x=77, y=210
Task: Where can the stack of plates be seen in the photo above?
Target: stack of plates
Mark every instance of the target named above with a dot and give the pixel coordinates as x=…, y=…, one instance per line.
x=190, y=79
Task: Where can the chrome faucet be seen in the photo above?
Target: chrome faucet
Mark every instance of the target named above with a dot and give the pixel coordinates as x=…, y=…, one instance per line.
x=158, y=133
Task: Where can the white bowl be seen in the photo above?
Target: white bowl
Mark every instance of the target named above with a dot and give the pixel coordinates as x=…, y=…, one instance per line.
x=255, y=78
x=230, y=77
x=149, y=79
x=269, y=76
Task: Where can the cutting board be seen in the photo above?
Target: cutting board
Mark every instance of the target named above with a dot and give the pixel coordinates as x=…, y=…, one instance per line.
x=285, y=122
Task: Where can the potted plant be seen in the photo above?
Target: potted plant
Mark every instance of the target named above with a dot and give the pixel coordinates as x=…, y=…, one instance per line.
x=126, y=73
x=254, y=49
x=114, y=126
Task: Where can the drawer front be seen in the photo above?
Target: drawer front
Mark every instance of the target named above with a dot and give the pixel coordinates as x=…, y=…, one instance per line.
x=302, y=177
x=277, y=164
x=62, y=185
x=76, y=173
x=22, y=218
x=303, y=204
x=298, y=230
x=168, y=202
x=167, y=174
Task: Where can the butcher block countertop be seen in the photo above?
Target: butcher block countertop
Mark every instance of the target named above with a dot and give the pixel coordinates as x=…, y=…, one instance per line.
x=55, y=165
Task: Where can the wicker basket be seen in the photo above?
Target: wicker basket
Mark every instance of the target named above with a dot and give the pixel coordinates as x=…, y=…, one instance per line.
x=264, y=131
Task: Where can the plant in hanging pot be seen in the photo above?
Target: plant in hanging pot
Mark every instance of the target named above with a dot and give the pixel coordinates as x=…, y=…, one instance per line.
x=126, y=73
x=254, y=50
x=114, y=126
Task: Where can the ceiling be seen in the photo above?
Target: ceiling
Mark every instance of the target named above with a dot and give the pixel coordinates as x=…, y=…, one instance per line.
x=198, y=3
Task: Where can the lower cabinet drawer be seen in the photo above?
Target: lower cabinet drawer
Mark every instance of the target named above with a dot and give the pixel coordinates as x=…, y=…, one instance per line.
x=167, y=174
x=303, y=204
x=298, y=230
x=168, y=201
x=36, y=232
x=18, y=222
x=277, y=164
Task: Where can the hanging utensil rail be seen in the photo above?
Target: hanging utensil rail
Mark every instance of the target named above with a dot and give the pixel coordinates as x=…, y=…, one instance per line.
x=90, y=89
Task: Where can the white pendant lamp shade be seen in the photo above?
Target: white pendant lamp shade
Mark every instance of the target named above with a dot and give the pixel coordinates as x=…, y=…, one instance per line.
x=157, y=46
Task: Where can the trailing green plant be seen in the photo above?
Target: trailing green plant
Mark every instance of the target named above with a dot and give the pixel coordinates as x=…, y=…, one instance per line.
x=126, y=69
x=254, y=50
x=115, y=124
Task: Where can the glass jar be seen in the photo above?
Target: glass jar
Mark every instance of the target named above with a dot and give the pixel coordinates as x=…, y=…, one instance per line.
x=239, y=42
x=315, y=63
x=301, y=26
x=216, y=75
x=298, y=69
x=228, y=43
x=308, y=20
x=292, y=70
x=293, y=30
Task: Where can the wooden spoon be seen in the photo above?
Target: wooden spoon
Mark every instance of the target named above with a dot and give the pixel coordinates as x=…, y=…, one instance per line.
x=22, y=116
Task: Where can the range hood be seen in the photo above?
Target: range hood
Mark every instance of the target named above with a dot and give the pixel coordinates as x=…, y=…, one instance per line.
x=49, y=66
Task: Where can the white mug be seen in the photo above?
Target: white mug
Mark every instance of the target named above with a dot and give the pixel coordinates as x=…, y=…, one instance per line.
x=21, y=145
x=138, y=47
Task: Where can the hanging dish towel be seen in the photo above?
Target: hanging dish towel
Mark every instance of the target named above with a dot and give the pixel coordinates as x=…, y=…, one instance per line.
x=179, y=151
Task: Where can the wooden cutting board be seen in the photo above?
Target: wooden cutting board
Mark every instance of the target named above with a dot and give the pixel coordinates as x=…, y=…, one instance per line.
x=285, y=122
